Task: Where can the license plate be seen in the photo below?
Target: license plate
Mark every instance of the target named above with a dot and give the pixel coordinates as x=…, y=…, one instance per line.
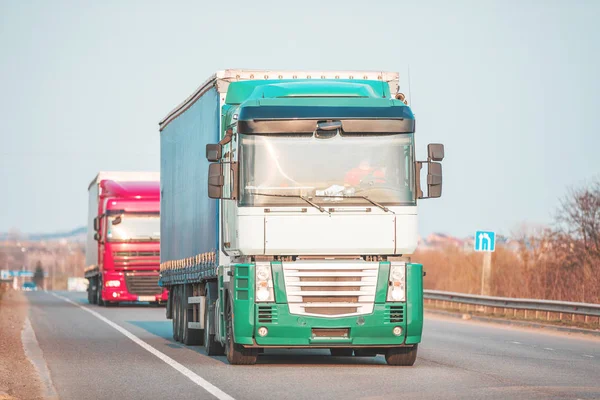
x=146, y=298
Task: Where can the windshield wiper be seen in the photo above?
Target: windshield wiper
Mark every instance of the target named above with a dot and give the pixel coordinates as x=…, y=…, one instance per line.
x=376, y=204
x=297, y=196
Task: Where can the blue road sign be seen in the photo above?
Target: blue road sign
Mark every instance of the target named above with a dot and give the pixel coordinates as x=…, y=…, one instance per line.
x=25, y=274
x=485, y=241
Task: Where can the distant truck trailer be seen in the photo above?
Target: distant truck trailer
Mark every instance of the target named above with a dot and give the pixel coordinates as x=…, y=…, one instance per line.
x=123, y=238
x=75, y=284
x=296, y=229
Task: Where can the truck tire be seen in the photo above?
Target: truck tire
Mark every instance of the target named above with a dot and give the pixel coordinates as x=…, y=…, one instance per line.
x=340, y=352
x=212, y=347
x=92, y=295
x=175, y=311
x=99, y=300
x=190, y=337
x=180, y=313
x=236, y=353
x=403, y=356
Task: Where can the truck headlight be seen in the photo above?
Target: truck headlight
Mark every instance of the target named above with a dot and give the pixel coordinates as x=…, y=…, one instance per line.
x=264, y=282
x=112, y=283
x=397, y=282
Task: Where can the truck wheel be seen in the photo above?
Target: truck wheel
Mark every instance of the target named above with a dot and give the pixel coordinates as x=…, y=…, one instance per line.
x=403, y=356
x=191, y=337
x=212, y=347
x=236, y=353
x=340, y=352
x=180, y=313
x=92, y=295
x=99, y=300
x=175, y=307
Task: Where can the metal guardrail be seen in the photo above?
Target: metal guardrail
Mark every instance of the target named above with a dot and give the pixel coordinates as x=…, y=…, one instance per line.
x=550, y=306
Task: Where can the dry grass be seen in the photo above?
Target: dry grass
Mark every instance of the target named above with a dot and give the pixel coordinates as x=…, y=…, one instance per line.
x=527, y=273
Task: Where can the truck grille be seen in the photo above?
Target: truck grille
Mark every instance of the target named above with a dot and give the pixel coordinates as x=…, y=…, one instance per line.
x=267, y=314
x=136, y=258
x=136, y=253
x=142, y=284
x=394, y=314
x=332, y=288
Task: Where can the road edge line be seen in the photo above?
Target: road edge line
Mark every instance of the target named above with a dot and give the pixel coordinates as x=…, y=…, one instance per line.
x=197, y=379
x=35, y=356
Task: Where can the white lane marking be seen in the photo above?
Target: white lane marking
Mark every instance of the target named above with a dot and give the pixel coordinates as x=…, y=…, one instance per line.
x=515, y=342
x=36, y=357
x=198, y=380
x=548, y=348
x=589, y=356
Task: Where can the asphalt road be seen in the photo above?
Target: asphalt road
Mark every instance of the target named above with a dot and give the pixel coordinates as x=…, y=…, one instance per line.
x=88, y=358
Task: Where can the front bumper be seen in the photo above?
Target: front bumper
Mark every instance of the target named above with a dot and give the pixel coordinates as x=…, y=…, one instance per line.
x=117, y=295
x=287, y=330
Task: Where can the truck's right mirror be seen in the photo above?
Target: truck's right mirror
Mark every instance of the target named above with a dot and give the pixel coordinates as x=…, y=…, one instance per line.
x=216, y=180
x=96, y=224
x=434, y=179
x=213, y=152
x=435, y=152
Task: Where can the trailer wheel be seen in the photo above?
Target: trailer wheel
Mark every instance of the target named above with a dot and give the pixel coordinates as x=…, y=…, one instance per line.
x=340, y=352
x=236, y=353
x=212, y=347
x=190, y=337
x=175, y=311
x=403, y=356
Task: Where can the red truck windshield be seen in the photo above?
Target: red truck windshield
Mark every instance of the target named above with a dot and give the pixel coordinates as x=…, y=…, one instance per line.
x=133, y=228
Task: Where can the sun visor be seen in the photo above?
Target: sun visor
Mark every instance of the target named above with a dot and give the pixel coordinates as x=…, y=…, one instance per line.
x=302, y=119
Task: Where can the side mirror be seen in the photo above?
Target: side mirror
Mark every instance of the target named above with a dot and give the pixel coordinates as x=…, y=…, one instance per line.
x=434, y=179
x=435, y=151
x=96, y=224
x=213, y=152
x=97, y=237
x=216, y=180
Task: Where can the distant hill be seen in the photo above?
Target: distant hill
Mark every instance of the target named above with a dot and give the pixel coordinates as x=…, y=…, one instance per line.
x=74, y=235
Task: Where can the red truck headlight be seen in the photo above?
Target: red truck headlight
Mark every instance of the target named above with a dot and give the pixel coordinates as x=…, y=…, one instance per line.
x=112, y=283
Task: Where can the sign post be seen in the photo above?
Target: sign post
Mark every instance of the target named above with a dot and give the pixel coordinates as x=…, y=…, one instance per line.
x=485, y=241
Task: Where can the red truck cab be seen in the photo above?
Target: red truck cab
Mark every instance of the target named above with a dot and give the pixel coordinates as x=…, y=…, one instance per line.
x=123, y=252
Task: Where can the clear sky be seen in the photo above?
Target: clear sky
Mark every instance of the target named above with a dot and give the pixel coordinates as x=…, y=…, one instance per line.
x=510, y=87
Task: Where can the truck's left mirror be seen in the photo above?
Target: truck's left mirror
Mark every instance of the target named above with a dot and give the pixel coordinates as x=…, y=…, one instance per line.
x=435, y=151
x=434, y=180
x=96, y=224
x=97, y=236
x=213, y=152
x=216, y=181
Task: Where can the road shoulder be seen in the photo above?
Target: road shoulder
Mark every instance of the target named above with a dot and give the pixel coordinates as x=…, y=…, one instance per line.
x=18, y=376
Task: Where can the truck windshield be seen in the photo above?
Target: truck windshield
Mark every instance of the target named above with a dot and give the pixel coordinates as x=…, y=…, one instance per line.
x=344, y=169
x=133, y=228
